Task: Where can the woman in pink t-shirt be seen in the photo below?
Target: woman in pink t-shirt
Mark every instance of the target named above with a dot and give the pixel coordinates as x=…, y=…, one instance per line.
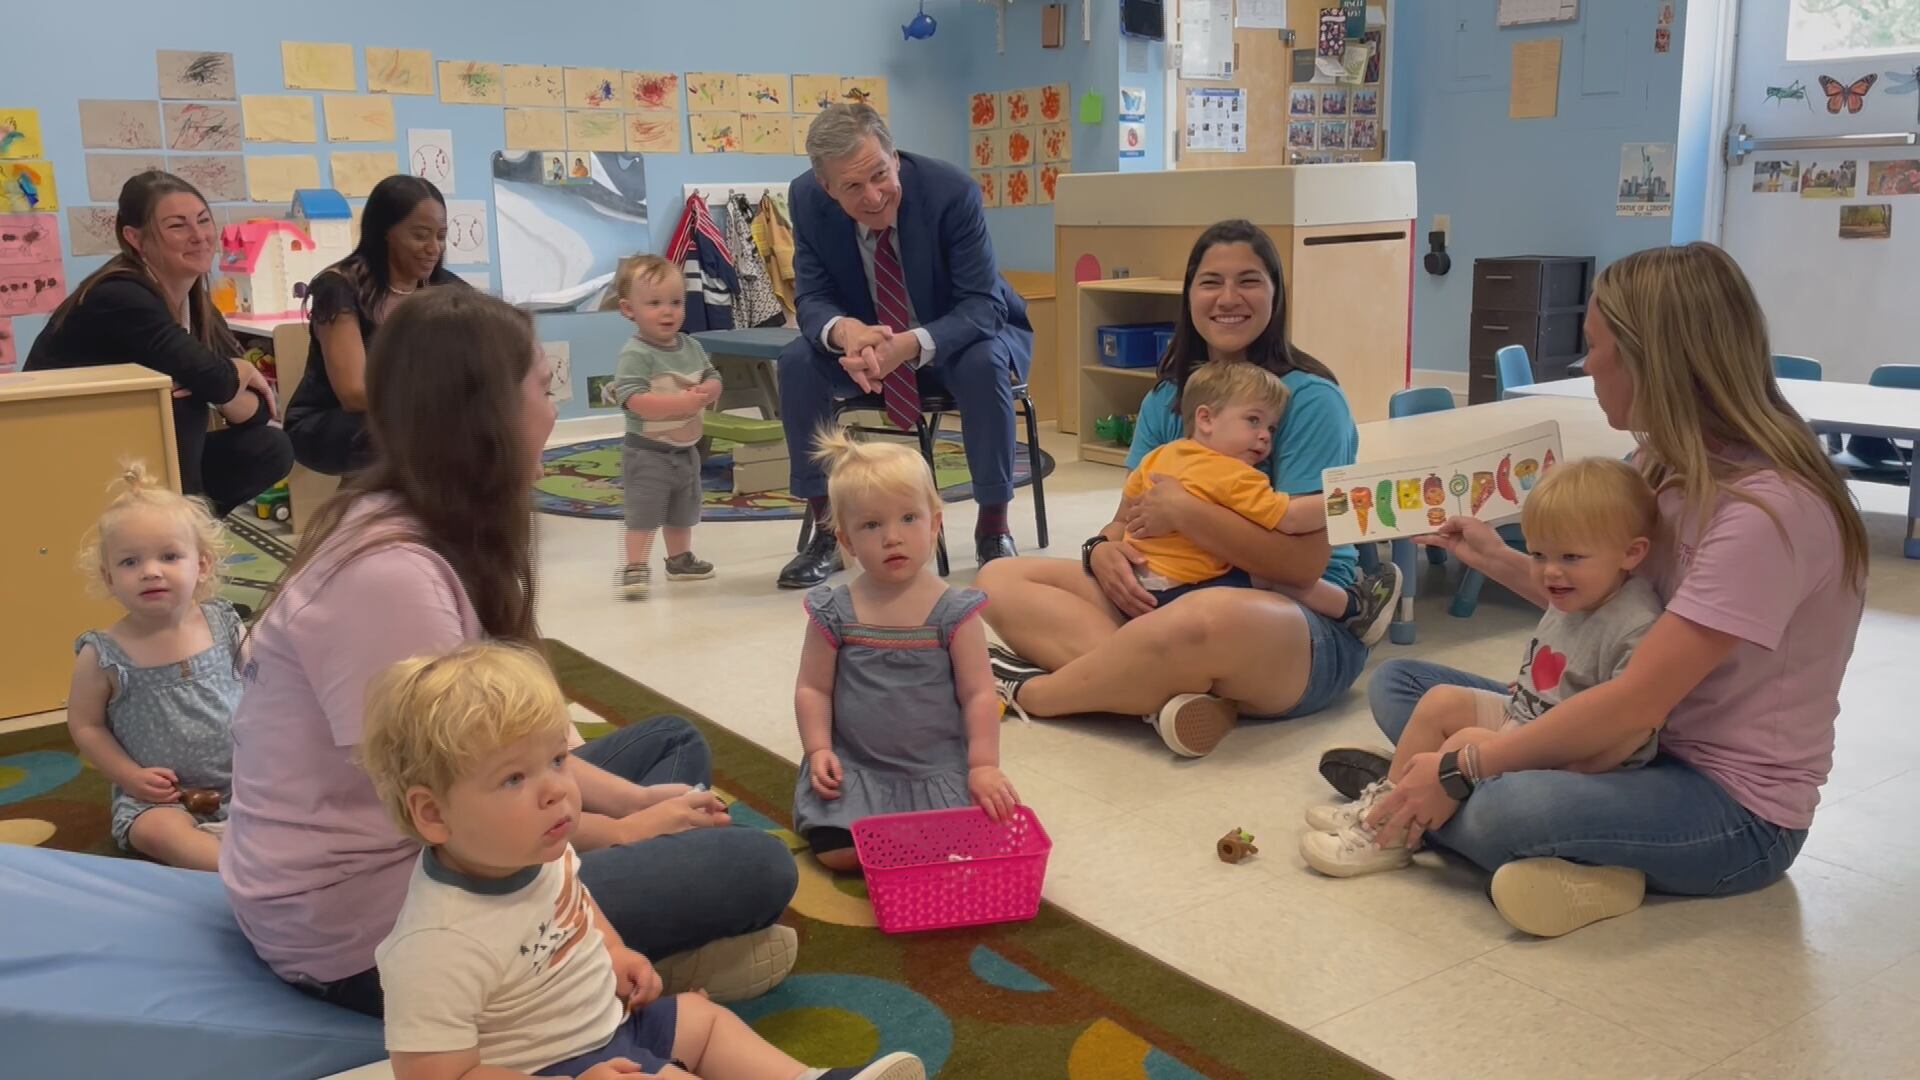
x=1762, y=569
x=431, y=547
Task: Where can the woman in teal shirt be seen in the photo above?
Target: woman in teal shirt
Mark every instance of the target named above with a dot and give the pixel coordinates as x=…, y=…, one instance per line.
x=1087, y=638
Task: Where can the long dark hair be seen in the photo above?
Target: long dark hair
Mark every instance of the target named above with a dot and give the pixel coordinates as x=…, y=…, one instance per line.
x=138, y=197
x=366, y=269
x=444, y=414
x=1272, y=350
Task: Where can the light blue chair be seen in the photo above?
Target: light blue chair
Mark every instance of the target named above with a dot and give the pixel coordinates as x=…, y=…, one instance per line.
x=1872, y=457
x=1511, y=368
x=1418, y=400
x=1804, y=368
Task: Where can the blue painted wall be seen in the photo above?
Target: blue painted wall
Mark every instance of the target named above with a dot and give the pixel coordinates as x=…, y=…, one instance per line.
x=838, y=36
x=1524, y=186
x=1023, y=236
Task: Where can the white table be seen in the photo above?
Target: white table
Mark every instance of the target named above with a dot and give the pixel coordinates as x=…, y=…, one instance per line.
x=1583, y=433
x=1853, y=408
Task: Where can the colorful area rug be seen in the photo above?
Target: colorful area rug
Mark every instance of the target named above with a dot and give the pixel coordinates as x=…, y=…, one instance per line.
x=1053, y=997
x=583, y=480
x=258, y=554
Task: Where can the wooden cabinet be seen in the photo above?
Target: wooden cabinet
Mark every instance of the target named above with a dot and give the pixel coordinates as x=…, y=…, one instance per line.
x=1345, y=240
x=1536, y=301
x=65, y=435
x=1111, y=391
x=1043, y=380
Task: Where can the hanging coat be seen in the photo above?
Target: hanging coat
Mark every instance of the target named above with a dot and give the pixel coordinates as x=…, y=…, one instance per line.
x=753, y=303
x=701, y=251
x=773, y=236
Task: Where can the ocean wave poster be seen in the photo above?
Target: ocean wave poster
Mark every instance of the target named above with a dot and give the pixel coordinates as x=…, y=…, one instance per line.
x=561, y=233
x=1411, y=496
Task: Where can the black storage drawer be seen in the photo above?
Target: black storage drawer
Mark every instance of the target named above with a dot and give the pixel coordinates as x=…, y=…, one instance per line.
x=1542, y=333
x=1531, y=282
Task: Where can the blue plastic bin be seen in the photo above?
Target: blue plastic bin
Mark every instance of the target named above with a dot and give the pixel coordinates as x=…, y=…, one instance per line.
x=1161, y=339
x=1131, y=346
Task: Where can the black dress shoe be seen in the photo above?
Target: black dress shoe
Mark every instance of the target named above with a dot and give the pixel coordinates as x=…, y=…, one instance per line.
x=815, y=563
x=997, y=546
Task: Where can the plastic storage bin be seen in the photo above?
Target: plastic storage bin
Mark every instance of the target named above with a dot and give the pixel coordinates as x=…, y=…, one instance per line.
x=937, y=869
x=1161, y=339
x=1131, y=346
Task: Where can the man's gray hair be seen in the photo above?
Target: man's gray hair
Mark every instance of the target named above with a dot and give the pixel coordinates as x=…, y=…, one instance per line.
x=839, y=130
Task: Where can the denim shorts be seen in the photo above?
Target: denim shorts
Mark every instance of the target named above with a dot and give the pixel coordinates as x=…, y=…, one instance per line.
x=644, y=1037
x=1337, y=660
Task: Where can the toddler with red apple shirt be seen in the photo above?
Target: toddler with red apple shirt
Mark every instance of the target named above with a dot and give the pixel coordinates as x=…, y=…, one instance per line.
x=1589, y=523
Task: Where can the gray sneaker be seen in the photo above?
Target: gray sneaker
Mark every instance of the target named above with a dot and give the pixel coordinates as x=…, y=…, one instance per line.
x=634, y=581
x=685, y=567
x=1379, y=594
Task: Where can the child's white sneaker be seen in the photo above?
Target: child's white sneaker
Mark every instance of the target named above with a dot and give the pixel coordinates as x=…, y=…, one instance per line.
x=634, y=581
x=1334, y=817
x=894, y=1066
x=1351, y=852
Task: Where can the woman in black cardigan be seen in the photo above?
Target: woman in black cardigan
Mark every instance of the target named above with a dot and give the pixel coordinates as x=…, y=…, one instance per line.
x=403, y=245
x=149, y=305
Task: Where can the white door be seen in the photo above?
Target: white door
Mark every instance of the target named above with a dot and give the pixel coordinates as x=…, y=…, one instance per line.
x=1847, y=299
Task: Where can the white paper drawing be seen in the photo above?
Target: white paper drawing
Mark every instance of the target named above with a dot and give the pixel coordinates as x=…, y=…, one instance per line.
x=560, y=355
x=430, y=157
x=467, y=239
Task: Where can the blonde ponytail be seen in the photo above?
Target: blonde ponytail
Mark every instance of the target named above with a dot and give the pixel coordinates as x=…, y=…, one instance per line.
x=137, y=488
x=858, y=470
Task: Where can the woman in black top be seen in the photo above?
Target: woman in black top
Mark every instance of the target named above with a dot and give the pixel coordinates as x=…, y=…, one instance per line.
x=149, y=305
x=403, y=241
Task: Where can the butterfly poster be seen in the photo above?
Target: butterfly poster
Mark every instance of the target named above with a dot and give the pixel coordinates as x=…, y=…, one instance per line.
x=1851, y=97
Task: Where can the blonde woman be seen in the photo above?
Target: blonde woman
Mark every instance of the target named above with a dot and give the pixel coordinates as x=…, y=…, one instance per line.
x=1762, y=570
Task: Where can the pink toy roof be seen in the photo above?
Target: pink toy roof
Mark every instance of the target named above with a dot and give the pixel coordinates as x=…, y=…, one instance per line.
x=241, y=244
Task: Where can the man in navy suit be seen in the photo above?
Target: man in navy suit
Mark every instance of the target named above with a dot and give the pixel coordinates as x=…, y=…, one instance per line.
x=899, y=297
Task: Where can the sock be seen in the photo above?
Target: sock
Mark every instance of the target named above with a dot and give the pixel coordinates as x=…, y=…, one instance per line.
x=1353, y=605
x=817, y=506
x=992, y=522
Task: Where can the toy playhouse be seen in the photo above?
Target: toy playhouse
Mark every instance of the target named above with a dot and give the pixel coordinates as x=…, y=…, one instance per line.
x=267, y=263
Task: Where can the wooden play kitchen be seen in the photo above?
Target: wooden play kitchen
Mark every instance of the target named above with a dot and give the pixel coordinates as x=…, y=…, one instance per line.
x=1345, y=235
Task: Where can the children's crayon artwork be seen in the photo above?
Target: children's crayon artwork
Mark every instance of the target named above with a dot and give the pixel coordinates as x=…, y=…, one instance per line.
x=195, y=75
x=653, y=91
x=201, y=126
x=120, y=125
x=397, y=71
x=27, y=187
x=538, y=86
x=20, y=133
x=594, y=88
x=1411, y=496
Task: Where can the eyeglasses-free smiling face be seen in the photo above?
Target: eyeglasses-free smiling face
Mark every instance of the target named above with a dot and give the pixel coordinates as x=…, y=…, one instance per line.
x=1231, y=299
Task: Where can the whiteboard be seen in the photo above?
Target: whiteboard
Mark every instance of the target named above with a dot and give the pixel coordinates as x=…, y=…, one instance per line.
x=1523, y=12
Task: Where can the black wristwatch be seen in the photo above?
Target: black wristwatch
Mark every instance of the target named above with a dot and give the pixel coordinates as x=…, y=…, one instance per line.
x=1086, y=551
x=1452, y=781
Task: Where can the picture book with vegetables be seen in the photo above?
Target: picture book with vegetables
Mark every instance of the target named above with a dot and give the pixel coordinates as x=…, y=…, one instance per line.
x=1385, y=500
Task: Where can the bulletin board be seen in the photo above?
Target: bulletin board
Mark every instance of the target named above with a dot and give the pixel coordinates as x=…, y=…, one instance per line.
x=1263, y=68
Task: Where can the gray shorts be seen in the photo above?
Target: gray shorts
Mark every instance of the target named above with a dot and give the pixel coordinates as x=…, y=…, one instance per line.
x=662, y=484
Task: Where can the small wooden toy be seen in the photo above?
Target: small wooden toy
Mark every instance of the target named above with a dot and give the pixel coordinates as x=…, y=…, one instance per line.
x=200, y=800
x=1236, y=846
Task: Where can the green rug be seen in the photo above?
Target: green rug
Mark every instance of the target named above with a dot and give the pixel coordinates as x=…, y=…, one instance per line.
x=1053, y=997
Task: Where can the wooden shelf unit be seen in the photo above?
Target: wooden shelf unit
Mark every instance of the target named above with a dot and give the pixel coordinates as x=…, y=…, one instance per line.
x=1103, y=390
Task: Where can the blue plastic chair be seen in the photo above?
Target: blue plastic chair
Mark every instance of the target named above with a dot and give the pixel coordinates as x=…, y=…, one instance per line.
x=1420, y=399
x=1872, y=457
x=1511, y=368
x=1804, y=368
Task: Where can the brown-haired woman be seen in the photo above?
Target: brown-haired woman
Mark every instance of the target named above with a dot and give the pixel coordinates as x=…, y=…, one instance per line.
x=428, y=548
x=149, y=305
x=1087, y=637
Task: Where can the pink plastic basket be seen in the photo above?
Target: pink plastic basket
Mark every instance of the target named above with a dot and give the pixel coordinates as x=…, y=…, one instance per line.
x=936, y=869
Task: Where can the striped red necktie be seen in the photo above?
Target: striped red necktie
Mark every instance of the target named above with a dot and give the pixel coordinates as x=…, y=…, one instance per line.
x=901, y=387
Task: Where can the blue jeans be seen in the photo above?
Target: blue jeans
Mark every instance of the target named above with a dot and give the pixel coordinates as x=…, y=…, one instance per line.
x=673, y=893
x=1667, y=820
x=976, y=377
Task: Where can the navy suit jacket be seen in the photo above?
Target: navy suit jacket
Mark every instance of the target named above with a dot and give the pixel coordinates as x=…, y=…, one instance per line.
x=946, y=255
